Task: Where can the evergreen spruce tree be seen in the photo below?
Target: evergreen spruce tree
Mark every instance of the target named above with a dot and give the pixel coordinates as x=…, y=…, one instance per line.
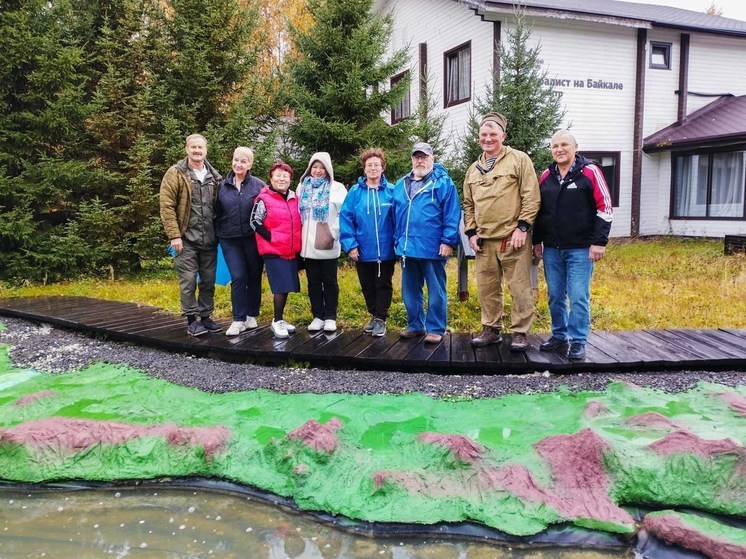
x=96, y=97
x=338, y=88
x=44, y=149
x=534, y=110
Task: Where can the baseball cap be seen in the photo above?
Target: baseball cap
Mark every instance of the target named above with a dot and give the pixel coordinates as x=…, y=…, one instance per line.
x=422, y=147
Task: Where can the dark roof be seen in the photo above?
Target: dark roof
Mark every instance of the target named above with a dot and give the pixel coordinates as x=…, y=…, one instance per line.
x=646, y=14
x=721, y=122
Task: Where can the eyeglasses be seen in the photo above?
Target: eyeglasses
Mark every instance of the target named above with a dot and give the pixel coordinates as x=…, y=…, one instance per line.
x=373, y=165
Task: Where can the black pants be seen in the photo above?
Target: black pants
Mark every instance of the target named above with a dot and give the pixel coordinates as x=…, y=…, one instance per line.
x=323, y=290
x=377, y=288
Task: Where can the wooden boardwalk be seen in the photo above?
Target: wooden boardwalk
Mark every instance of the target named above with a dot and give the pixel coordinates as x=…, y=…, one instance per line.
x=643, y=350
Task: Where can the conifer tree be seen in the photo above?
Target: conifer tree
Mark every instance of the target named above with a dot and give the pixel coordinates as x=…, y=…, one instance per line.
x=339, y=85
x=534, y=110
x=44, y=80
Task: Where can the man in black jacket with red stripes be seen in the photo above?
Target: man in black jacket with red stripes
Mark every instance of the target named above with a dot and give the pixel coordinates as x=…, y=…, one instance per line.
x=571, y=233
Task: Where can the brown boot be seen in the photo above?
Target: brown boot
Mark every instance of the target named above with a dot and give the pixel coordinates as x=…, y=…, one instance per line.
x=519, y=342
x=488, y=336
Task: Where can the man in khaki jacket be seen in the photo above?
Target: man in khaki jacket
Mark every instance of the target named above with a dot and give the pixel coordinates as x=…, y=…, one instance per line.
x=501, y=200
x=187, y=200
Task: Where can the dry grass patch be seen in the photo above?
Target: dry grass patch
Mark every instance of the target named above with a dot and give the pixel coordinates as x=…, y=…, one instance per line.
x=653, y=283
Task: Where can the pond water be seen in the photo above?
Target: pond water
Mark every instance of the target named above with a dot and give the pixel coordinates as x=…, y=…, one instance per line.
x=186, y=523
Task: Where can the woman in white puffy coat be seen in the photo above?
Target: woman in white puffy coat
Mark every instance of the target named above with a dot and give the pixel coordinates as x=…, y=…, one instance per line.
x=320, y=199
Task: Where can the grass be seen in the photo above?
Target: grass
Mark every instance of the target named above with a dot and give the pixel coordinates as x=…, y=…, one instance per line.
x=654, y=283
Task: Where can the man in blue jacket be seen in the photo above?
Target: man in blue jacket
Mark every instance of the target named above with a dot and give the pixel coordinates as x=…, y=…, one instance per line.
x=426, y=220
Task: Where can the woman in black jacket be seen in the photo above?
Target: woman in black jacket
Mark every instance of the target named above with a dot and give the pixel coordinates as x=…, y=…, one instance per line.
x=235, y=201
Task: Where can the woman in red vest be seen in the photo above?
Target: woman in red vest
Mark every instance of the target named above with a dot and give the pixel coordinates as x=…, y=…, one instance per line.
x=276, y=220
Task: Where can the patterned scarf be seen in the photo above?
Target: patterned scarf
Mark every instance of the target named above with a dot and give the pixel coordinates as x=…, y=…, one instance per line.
x=314, y=199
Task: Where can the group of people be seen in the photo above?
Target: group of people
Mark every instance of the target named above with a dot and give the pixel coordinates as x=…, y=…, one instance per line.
x=509, y=217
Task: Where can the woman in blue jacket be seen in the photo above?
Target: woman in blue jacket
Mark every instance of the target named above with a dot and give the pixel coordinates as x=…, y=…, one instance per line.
x=235, y=200
x=367, y=236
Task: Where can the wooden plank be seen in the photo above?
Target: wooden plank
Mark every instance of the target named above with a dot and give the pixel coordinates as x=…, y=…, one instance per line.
x=313, y=350
x=725, y=341
x=350, y=354
x=332, y=353
x=672, y=338
x=676, y=353
x=544, y=360
x=46, y=307
x=739, y=334
x=717, y=350
x=487, y=358
x=39, y=303
x=421, y=353
x=621, y=350
x=440, y=359
x=375, y=353
x=654, y=350
x=462, y=353
x=395, y=358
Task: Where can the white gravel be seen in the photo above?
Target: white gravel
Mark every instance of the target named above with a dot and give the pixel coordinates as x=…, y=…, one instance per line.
x=53, y=350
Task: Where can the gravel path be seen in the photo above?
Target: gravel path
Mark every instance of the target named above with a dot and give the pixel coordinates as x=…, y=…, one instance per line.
x=53, y=350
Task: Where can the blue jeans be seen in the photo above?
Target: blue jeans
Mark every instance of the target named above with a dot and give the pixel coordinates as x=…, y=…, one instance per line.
x=415, y=273
x=568, y=273
x=245, y=266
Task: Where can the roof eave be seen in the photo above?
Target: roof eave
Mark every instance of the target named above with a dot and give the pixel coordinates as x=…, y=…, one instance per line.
x=711, y=142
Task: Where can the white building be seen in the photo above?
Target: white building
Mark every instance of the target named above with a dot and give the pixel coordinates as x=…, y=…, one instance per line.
x=676, y=162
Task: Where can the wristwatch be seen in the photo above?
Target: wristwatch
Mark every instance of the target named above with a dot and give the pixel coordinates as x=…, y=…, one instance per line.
x=523, y=226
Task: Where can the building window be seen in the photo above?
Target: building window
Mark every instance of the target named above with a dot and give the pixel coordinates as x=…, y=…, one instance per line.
x=608, y=161
x=660, y=55
x=403, y=109
x=709, y=185
x=457, y=78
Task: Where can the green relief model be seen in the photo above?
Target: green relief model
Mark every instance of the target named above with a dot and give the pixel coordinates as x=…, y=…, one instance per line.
x=517, y=463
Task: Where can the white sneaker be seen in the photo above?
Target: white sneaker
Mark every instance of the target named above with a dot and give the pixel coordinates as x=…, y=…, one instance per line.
x=279, y=329
x=330, y=326
x=250, y=322
x=235, y=328
x=289, y=327
x=316, y=325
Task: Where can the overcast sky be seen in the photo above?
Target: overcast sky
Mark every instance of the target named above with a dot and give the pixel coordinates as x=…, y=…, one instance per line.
x=734, y=9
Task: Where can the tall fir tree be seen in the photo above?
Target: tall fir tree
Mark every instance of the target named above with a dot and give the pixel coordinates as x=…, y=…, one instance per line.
x=44, y=148
x=339, y=85
x=533, y=109
x=96, y=97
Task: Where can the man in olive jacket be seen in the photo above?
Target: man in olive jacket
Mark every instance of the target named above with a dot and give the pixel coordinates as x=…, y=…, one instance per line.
x=187, y=200
x=501, y=200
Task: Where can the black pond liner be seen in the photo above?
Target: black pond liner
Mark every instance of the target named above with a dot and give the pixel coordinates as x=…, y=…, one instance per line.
x=563, y=535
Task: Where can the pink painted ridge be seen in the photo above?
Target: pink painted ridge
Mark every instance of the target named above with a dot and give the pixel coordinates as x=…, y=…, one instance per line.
x=581, y=483
x=461, y=446
x=31, y=398
x=77, y=435
x=687, y=442
x=595, y=409
x=576, y=462
x=321, y=437
x=674, y=530
x=652, y=420
x=736, y=402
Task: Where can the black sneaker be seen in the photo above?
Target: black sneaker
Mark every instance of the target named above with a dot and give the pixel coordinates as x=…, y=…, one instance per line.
x=577, y=351
x=196, y=329
x=552, y=343
x=210, y=325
